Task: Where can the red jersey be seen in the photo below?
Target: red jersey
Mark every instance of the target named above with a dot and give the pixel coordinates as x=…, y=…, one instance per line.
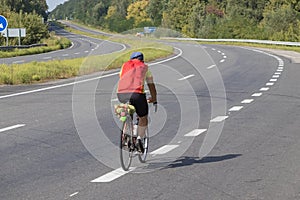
x=132, y=77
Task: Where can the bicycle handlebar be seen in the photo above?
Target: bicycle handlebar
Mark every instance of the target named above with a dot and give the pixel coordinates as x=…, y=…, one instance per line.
x=155, y=106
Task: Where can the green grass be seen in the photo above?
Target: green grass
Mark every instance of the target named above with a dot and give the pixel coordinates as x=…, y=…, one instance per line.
x=53, y=43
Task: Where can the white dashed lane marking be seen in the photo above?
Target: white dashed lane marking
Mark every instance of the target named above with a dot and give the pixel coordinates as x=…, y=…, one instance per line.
x=264, y=89
x=212, y=66
x=11, y=127
x=256, y=94
x=18, y=62
x=75, y=193
x=164, y=149
x=219, y=119
x=247, y=101
x=186, y=77
x=269, y=84
x=235, y=108
x=112, y=175
x=195, y=132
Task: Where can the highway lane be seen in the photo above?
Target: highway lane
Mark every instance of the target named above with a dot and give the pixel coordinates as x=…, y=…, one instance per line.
x=254, y=158
x=80, y=28
x=82, y=46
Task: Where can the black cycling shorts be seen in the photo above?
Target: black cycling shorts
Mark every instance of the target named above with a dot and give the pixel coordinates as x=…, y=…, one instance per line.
x=138, y=100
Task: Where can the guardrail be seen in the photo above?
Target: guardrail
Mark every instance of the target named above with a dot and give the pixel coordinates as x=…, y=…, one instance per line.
x=236, y=40
x=9, y=48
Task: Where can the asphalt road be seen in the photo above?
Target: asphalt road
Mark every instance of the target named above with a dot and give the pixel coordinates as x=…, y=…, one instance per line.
x=226, y=128
x=82, y=46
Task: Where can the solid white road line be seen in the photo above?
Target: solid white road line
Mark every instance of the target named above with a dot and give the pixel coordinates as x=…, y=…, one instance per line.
x=112, y=175
x=247, y=101
x=164, y=149
x=57, y=86
x=236, y=108
x=186, y=77
x=256, y=94
x=11, y=127
x=195, y=132
x=219, y=119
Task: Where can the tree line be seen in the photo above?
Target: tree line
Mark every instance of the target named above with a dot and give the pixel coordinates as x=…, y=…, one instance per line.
x=29, y=14
x=246, y=19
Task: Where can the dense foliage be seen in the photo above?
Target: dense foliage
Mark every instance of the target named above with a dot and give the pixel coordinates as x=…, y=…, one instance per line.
x=29, y=14
x=253, y=19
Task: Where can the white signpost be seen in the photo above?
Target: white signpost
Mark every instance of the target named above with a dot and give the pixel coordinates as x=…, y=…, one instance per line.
x=15, y=32
x=11, y=32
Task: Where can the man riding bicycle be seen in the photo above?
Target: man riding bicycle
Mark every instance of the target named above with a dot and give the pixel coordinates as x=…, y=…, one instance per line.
x=133, y=75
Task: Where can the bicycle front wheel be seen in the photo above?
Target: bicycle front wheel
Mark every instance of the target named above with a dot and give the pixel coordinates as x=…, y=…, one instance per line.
x=145, y=143
x=126, y=144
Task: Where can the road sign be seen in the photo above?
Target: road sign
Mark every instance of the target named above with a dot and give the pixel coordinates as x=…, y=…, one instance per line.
x=15, y=32
x=149, y=29
x=3, y=23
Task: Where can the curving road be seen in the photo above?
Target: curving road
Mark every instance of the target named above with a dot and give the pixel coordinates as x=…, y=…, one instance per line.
x=50, y=149
x=82, y=46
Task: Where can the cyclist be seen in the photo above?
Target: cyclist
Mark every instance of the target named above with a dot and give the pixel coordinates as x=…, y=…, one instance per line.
x=133, y=75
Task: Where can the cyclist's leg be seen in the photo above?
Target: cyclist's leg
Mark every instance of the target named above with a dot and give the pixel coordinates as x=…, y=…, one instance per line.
x=140, y=103
x=142, y=126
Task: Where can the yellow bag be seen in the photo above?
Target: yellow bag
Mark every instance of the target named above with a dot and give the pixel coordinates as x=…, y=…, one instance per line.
x=122, y=110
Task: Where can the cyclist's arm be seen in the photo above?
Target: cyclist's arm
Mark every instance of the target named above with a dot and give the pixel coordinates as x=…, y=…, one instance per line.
x=152, y=88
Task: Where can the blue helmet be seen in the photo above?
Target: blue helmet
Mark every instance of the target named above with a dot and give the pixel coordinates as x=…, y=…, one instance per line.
x=137, y=55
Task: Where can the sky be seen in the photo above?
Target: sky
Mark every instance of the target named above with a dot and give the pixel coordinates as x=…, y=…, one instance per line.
x=53, y=3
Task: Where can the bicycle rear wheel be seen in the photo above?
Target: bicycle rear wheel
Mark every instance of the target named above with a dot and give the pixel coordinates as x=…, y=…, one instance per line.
x=145, y=142
x=126, y=144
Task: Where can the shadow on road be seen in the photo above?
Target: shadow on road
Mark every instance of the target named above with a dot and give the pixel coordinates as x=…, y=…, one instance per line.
x=184, y=161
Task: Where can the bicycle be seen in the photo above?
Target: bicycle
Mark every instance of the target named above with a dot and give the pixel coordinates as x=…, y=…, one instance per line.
x=128, y=141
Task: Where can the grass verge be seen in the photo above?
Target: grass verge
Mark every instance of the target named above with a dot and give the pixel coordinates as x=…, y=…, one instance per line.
x=53, y=43
x=35, y=72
